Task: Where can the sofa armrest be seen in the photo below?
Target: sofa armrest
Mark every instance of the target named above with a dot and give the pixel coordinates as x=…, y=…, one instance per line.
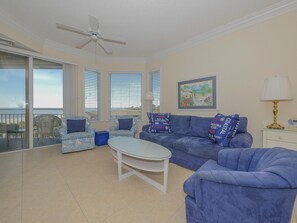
x=241, y=140
x=91, y=131
x=245, y=179
x=114, y=128
x=133, y=130
x=145, y=128
x=63, y=131
x=212, y=171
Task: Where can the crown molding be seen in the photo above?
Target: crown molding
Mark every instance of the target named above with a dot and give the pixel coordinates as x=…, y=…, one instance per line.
x=260, y=16
x=11, y=22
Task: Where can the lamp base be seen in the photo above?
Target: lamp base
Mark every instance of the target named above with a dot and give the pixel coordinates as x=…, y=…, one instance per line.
x=275, y=126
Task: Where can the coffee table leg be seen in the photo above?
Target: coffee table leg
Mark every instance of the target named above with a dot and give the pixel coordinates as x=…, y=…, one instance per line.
x=166, y=164
x=119, y=158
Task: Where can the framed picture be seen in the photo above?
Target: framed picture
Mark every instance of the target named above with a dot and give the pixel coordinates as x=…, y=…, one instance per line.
x=198, y=94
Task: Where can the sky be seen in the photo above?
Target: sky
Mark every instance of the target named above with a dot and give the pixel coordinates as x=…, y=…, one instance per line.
x=125, y=90
x=47, y=88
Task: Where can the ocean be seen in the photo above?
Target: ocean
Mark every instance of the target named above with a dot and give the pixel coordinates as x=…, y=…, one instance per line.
x=19, y=111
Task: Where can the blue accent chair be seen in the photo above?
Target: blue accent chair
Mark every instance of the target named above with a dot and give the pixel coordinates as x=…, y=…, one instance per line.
x=77, y=141
x=124, y=127
x=243, y=186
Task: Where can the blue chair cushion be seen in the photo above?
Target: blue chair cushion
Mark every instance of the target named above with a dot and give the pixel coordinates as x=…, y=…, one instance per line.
x=223, y=128
x=159, y=122
x=125, y=123
x=76, y=125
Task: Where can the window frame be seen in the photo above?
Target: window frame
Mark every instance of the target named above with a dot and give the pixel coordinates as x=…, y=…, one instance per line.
x=141, y=91
x=98, y=118
x=151, y=87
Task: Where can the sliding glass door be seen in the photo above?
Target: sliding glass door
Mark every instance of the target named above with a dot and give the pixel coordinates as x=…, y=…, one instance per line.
x=47, y=102
x=13, y=111
x=44, y=102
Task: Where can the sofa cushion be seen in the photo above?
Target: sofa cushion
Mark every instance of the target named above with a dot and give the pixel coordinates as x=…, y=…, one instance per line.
x=76, y=125
x=125, y=123
x=223, y=128
x=199, y=126
x=197, y=146
x=159, y=122
x=163, y=139
x=180, y=124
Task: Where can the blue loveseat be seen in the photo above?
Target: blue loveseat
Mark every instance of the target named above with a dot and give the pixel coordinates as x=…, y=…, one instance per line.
x=244, y=185
x=189, y=142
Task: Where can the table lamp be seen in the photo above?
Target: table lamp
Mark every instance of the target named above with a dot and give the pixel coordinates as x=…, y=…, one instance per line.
x=149, y=97
x=276, y=89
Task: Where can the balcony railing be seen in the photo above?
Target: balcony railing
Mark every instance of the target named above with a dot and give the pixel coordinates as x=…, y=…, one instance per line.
x=45, y=132
x=19, y=118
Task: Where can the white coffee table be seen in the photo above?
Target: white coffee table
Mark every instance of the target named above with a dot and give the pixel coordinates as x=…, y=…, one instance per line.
x=139, y=154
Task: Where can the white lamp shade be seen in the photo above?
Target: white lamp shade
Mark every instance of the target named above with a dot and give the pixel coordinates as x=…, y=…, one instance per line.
x=149, y=96
x=276, y=88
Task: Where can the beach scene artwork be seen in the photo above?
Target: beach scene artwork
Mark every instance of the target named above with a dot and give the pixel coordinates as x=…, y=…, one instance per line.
x=197, y=94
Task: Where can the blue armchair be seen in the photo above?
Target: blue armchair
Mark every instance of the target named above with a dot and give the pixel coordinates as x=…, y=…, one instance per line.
x=245, y=185
x=76, y=134
x=124, y=127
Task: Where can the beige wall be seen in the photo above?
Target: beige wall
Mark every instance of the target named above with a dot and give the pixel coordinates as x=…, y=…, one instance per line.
x=241, y=60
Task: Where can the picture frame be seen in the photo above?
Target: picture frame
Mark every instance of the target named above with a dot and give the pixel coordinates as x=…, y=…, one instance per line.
x=198, y=93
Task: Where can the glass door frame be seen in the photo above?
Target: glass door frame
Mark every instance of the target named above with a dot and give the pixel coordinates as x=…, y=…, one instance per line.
x=29, y=103
x=29, y=56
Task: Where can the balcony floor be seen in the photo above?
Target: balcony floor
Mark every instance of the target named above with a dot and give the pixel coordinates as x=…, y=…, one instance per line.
x=16, y=143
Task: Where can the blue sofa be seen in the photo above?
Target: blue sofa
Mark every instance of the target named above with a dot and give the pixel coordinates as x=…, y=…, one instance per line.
x=244, y=185
x=189, y=142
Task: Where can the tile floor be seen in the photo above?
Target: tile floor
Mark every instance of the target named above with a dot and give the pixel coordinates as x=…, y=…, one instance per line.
x=44, y=186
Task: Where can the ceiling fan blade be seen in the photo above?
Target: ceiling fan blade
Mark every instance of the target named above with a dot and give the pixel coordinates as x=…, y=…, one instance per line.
x=83, y=43
x=94, y=24
x=71, y=29
x=107, y=52
x=112, y=40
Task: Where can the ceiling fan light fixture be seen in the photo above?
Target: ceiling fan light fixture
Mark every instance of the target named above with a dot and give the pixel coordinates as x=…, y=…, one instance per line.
x=94, y=37
x=93, y=34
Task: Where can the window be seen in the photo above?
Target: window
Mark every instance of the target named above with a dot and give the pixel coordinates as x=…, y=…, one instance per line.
x=92, y=82
x=125, y=95
x=155, y=88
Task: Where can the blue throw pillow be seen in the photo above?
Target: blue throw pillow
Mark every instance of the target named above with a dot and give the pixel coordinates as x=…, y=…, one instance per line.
x=223, y=128
x=76, y=125
x=125, y=123
x=159, y=122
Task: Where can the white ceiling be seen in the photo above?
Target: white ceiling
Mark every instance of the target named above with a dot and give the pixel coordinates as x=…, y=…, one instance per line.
x=148, y=26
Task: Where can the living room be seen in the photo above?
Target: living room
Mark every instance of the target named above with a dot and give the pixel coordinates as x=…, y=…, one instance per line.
x=242, y=52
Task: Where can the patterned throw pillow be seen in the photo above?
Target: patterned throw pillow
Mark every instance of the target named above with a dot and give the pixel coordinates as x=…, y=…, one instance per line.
x=159, y=122
x=223, y=128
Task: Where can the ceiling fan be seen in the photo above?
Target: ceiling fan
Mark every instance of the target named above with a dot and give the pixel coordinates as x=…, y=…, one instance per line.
x=93, y=34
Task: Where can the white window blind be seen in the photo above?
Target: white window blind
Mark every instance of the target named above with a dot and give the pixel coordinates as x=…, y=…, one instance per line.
x=92, y=79
x=155, y=88
x=125, y=95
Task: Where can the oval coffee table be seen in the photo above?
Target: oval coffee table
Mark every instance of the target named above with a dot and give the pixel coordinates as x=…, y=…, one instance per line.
x=139, y=154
